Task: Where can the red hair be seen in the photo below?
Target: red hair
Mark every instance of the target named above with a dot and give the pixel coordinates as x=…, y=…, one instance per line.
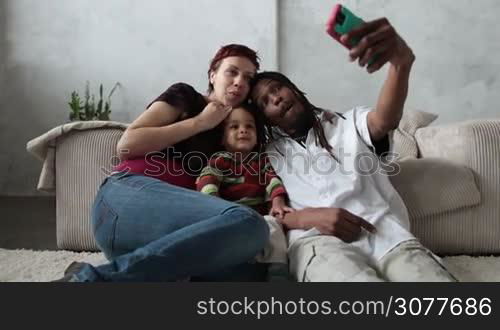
x=228, y=51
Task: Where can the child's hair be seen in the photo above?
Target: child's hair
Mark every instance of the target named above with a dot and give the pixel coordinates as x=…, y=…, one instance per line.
x=259, y=125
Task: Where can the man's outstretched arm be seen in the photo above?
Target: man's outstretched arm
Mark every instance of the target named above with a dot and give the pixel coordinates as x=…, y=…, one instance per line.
x=381, y=44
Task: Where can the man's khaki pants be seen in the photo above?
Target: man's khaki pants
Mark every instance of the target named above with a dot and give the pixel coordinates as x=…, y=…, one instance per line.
x=329, y=259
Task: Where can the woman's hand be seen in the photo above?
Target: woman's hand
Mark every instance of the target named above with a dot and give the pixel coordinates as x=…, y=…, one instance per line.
x=213, y=114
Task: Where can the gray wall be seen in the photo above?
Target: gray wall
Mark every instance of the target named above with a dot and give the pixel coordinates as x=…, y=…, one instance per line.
x=4, y=163
x=54, y=46
x=50, y=48
x=457, y=44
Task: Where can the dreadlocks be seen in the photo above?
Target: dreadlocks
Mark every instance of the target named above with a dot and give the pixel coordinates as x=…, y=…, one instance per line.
x=312, y=113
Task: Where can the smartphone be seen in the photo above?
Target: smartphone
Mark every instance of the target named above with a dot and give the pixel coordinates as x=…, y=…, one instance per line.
x=342, y=21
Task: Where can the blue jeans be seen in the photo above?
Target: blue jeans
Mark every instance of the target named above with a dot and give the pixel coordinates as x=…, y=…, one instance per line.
x=153, y=231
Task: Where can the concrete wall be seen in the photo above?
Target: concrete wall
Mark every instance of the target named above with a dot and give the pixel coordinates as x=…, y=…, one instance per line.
x=55, y=46
x=456, y=42
x=50, y=48
x=4, y=163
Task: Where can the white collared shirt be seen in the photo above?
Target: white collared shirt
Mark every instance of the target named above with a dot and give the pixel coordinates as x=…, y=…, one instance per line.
x=357, y=183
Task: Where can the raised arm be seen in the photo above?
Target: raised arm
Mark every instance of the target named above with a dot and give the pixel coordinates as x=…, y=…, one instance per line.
x=390, y=104
x=159, y=127
x=381, y=42
x=154, y=130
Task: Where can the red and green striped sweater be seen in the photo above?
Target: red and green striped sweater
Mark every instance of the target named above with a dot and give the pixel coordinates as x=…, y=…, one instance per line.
x=252, y=182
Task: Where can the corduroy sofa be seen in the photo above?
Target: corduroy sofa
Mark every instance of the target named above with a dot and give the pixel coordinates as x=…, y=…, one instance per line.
x=448, y=176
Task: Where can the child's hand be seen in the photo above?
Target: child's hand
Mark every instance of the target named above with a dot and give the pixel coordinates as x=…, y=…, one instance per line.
x=279, y=208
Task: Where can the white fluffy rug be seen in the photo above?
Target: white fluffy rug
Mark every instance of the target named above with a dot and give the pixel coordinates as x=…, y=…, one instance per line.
x=40, y=266
x=44, y=266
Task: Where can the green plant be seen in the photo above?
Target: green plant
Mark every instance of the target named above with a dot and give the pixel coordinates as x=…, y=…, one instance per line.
x=87, y=109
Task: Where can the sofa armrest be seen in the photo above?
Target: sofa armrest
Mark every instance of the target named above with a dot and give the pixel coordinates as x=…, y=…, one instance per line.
x=83, y=159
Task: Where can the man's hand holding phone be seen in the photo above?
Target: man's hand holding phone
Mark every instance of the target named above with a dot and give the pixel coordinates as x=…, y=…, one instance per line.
x=372, y=44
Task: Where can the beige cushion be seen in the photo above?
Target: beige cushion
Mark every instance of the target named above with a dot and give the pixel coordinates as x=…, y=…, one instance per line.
x=474, y=144
x=404, y=141
x=430, y=186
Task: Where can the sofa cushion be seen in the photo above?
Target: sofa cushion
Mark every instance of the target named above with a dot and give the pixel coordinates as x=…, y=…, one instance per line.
x=430, y=186
x=405, y=144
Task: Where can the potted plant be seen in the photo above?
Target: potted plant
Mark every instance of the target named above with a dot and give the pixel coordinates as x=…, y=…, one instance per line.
x=87, y=109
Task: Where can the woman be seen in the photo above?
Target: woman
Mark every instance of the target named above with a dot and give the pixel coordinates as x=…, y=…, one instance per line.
x=146, y=219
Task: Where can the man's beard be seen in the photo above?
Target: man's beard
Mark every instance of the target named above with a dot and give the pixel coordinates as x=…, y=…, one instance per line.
x=302, y=125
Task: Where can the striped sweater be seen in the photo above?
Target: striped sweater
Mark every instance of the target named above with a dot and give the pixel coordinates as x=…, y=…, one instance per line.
x=252, y=183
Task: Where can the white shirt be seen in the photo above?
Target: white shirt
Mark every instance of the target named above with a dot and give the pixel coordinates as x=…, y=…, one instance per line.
x=357, y=183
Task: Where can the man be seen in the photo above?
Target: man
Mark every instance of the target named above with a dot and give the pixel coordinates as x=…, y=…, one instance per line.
x=349, y=224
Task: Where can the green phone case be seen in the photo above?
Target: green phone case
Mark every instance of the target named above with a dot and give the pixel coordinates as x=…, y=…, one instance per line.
x=351, y=22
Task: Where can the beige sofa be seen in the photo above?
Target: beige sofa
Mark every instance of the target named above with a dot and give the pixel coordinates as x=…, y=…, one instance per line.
x=448, y=176
x=452, y=190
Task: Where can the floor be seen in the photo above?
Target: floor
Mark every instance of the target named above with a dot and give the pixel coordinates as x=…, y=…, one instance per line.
x=28, y=223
